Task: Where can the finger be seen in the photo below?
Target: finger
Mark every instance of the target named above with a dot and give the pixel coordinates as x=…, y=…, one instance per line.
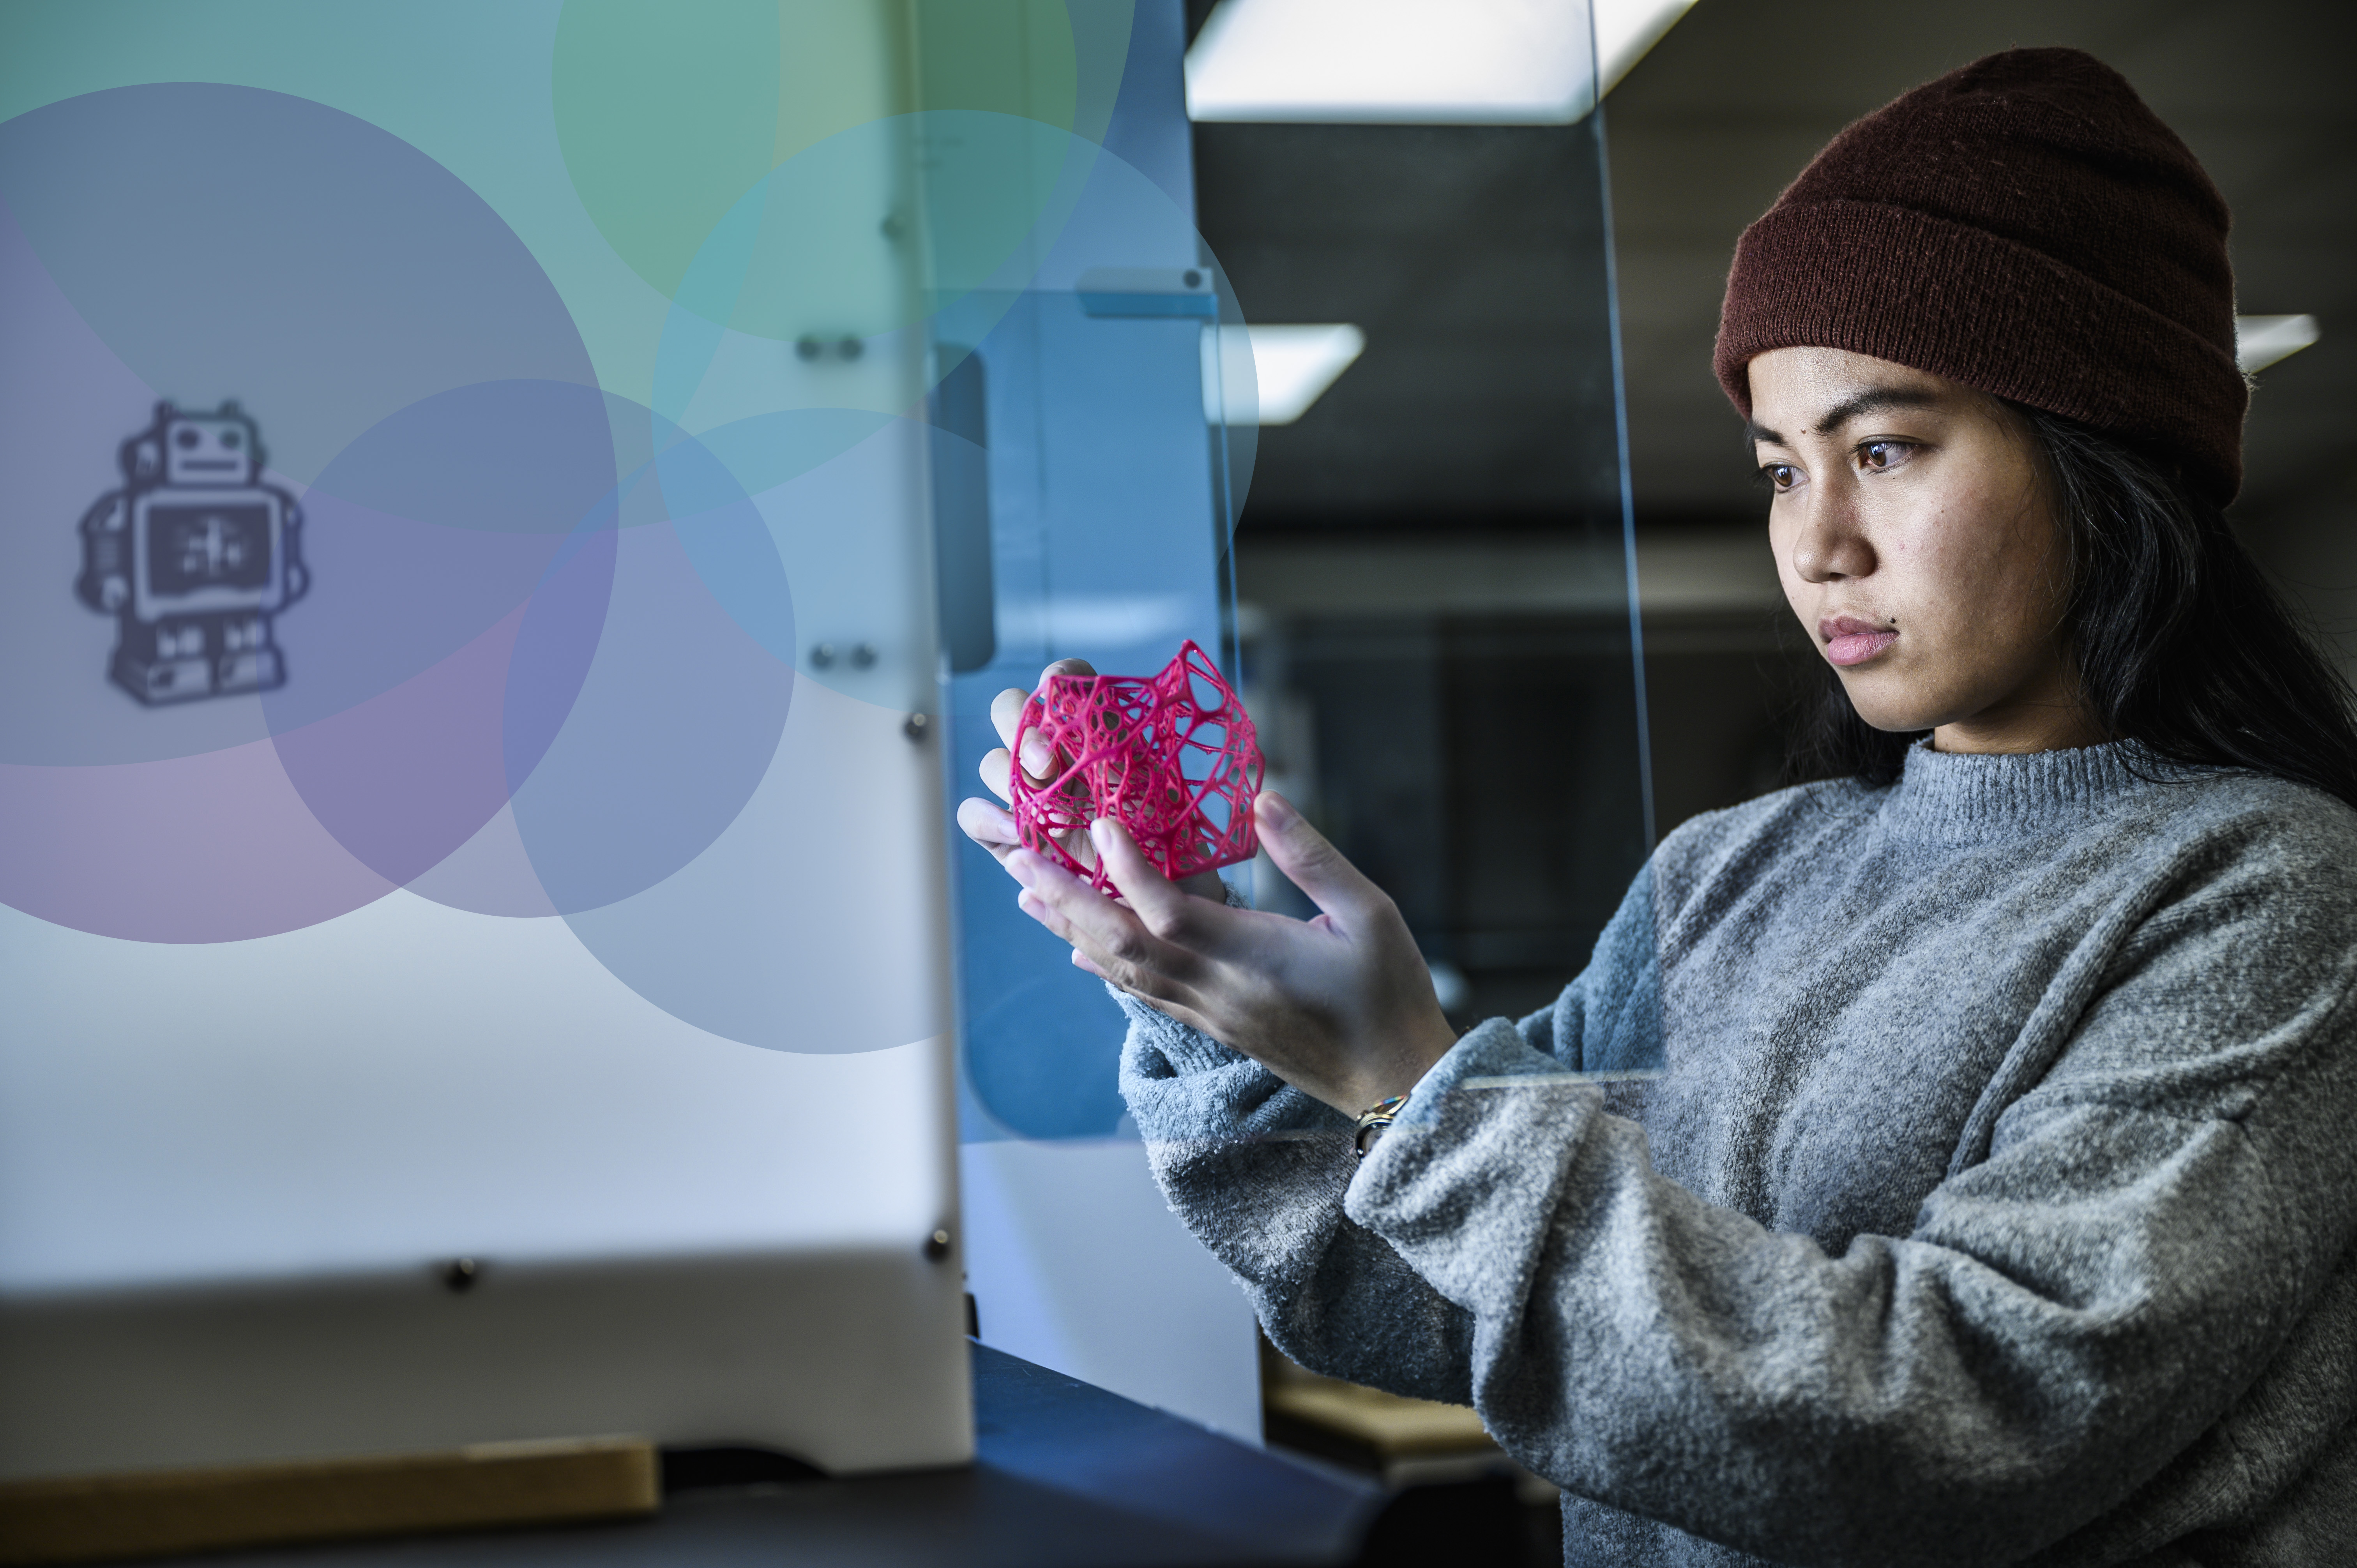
x=1103, y=965
x=1160, y=903
x=988, y=826
x=1149, y=985
x=1074, y=841
x=1006, y=711
x=1170, y=1008
x=998, y=773
x=1312, y=864
x=1114, y=937
x=1040, y=759
x=1205, y=885
x=1066, y=667
x=1006, y=717
x=1076, y=845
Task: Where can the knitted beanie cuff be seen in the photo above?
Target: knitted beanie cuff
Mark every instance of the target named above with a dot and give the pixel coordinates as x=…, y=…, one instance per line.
x=1977, y=308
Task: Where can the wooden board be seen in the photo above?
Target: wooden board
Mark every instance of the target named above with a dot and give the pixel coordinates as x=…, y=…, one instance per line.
x=92, y=1517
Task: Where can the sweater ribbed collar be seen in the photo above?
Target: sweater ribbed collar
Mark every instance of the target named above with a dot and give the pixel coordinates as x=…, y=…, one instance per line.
x=1947, y=794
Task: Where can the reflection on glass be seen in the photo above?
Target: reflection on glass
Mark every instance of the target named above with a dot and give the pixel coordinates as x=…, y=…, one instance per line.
x=1434, y=567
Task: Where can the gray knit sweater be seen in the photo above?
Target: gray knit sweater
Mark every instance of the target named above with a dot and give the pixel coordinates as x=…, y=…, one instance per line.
x=1996, y=1204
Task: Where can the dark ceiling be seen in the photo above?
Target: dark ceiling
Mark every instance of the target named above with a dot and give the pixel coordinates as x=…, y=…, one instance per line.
x=1472, y=257
x=1456, y=248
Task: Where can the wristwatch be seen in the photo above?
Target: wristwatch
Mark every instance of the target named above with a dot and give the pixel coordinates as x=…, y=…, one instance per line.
x=1373, y=1119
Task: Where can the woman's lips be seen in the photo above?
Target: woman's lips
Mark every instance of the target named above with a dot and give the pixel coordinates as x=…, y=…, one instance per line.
x=1849, y=640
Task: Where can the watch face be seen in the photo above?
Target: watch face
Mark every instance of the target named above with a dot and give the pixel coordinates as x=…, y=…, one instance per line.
x=196, y=546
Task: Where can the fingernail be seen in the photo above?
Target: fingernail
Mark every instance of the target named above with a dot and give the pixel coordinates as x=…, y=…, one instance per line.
x=1029, y=902
x=1276, y=809
x=1101, y=832
x=1019, y=866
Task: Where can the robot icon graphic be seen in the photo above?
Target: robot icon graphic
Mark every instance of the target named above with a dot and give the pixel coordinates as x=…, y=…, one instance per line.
x=194, y=557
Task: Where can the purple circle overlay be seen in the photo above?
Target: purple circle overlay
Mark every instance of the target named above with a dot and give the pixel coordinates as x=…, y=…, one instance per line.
x=468, y=663
x=200, y=243
x=434, y=540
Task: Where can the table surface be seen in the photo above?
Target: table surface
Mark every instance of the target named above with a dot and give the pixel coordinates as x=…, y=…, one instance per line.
x=1065, y=1476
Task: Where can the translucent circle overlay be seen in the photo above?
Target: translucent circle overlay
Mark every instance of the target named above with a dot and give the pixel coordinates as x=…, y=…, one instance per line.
x=547, y=665
x=542, y=619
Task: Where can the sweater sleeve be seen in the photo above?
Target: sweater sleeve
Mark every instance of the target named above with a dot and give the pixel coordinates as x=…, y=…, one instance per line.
x=1257, y=1169
x=2157, y=1209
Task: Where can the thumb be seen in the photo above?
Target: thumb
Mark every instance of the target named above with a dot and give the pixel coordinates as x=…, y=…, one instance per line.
x=1312, y=864
x=1156, y=900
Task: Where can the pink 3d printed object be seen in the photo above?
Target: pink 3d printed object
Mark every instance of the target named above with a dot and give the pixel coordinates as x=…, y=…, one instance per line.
x=1172, y=757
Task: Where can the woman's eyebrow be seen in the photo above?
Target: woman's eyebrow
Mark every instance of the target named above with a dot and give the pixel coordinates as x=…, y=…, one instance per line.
x=1849, y=408
x=1873, y=398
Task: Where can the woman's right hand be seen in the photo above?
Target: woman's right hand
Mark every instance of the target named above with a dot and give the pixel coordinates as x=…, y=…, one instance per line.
x=992, y=825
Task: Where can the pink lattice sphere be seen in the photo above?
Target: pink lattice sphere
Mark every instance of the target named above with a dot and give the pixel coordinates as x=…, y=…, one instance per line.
x=1170, y=757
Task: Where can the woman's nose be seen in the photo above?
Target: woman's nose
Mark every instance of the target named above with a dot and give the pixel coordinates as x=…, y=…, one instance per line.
x=1831, y=545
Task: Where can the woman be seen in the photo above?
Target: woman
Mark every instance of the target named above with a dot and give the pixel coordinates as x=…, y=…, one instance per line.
x=1995, y=1202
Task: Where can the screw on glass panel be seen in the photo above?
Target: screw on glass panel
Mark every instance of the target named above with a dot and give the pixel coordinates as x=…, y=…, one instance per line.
x=1191, y=278
x=822, y=656
x=937, y=1245
x=458, y=1275
x=861, y=655
x=916, y=726
x=809, y=349
x=850, y=348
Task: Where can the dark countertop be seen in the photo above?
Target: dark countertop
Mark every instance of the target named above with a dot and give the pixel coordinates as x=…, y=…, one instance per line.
x=1066, y=1476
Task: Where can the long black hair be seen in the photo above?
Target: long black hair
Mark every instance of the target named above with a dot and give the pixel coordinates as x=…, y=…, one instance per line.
x=2176, y=639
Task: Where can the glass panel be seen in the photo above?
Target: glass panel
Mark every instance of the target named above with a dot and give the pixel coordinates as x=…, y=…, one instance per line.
x=1075, y=410
x=1436, y=632
x=1435, y=560
x=1095, y=476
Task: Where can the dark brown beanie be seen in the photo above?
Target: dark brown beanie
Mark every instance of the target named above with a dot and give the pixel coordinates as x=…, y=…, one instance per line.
x=2025, y=226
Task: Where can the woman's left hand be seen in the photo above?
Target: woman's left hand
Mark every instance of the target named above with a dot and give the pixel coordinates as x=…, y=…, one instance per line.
x=1341, y=1006
x=992, y=826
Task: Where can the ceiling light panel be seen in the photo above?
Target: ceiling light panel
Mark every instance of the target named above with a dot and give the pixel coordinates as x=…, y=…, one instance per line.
x=1270, y=375
x=1470, y=62
x=1394, y=61
x=1627, y=29
x=2261, y=340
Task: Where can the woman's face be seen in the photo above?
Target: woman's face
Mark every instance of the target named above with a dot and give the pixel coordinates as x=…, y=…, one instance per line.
x=1917, y=544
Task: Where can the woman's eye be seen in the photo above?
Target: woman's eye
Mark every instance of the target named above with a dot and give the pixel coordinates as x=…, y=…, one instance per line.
x=1876, y=456
x=1781, y=476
